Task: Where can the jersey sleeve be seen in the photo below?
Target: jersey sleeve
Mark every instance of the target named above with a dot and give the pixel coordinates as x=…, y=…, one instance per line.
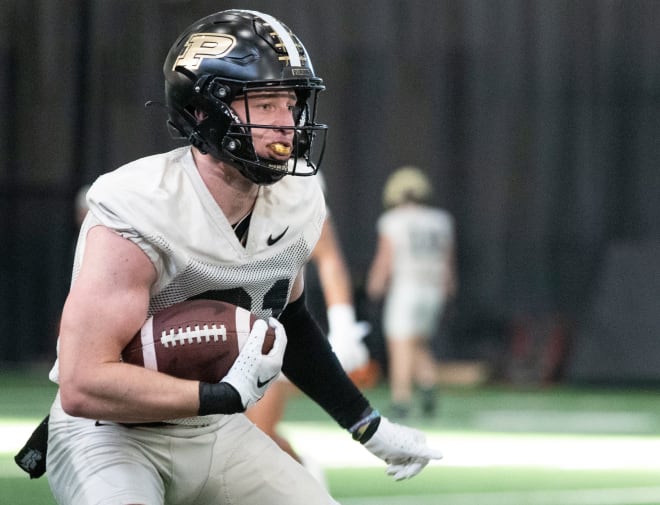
x=384, y=225
x=127, y=217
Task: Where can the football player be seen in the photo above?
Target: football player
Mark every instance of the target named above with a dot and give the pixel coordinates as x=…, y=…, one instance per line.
x=414, y=269
x=234, y=216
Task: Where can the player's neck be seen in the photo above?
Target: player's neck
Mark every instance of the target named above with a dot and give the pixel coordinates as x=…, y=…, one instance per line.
x=234, y=194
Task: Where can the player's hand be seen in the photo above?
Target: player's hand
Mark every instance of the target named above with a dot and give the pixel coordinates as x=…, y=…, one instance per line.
x=403, y=449
x=253, y=371
x=346, y=337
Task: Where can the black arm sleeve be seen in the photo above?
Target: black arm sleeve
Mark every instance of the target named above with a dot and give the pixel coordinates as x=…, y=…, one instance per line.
x=312, y=366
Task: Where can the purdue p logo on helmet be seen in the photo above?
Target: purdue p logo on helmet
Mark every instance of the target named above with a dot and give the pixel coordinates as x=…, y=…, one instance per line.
x=203, y=45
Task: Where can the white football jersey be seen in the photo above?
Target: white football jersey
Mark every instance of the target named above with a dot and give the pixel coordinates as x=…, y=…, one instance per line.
x=422, y=239
x=162, y=204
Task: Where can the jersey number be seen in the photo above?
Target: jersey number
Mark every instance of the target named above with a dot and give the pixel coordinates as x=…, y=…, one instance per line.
x=274, y=299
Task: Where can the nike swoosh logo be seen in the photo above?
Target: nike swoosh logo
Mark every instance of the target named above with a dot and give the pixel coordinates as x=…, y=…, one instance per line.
x=271, y=240
x=262, y=384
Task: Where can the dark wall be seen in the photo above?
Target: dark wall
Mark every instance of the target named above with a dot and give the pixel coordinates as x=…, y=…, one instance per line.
x=538, y=120
x=618, y=339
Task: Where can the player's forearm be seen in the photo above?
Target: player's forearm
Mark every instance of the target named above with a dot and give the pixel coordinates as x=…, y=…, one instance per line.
x=332, y=269
x=335, y=282
x=376, y=283
x=126, y=393
x=380, y=270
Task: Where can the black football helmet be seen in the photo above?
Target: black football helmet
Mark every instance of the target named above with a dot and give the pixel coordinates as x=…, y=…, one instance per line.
x=224, y=56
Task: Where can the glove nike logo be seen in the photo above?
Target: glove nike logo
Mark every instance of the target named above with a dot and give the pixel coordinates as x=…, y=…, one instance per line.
x=262, y=384
x=271, y=240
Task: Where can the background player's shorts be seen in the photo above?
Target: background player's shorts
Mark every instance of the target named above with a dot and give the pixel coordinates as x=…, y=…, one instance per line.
x=412, y=310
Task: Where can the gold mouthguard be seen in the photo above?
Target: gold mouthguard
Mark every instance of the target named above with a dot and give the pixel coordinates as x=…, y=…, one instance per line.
x=280, y=148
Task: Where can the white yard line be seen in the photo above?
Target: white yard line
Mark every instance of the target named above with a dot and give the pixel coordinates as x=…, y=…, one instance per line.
x=332, y=448
x=14, y=435
x=616, y=496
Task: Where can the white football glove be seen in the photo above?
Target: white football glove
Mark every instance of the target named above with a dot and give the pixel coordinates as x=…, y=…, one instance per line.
x=403, y=449
x=345, y=335
x=253, y=371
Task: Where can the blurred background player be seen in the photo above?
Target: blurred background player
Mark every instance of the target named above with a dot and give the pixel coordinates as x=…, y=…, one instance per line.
x=345, y=334
x=414, y=271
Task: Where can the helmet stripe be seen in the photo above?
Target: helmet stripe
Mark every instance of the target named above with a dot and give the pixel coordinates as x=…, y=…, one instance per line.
x=284, y=35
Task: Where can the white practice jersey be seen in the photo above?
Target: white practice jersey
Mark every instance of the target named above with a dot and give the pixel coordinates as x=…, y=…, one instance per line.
x=422, y=239
x=162, y=204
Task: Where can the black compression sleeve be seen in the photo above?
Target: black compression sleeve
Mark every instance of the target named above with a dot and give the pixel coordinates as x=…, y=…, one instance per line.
x=312, y=366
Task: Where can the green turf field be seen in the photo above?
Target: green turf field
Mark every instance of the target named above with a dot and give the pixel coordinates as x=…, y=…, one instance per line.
x=559, y=446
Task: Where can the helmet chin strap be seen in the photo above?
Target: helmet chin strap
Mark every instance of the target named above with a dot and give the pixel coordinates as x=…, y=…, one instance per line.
x=255, y=170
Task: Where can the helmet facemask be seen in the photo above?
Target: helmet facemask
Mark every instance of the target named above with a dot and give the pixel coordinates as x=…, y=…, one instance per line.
x=304, y=153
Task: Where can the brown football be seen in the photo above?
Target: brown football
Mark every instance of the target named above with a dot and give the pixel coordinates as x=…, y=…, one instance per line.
x=195, y=339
